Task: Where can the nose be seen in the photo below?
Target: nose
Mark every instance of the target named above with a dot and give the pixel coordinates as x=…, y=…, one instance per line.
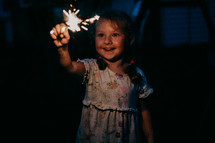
x=108, y=40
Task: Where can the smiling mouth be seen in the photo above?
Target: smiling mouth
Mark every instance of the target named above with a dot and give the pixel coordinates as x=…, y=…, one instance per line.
x=108, y=49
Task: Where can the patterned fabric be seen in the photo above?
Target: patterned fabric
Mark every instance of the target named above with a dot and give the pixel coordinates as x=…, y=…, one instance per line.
x=109, y=113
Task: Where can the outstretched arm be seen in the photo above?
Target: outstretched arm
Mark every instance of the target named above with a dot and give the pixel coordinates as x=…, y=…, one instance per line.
x=61, y=38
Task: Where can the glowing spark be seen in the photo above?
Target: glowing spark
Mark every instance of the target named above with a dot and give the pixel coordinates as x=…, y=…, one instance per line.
x=83, y=27
x=75, y=23
x=72, y=20
x=91, y=20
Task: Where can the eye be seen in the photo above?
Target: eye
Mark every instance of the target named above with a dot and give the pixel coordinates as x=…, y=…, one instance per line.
x=100, y=35
x=115, y=34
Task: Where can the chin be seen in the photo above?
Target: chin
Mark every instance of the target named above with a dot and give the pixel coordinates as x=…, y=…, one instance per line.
x=114, y=59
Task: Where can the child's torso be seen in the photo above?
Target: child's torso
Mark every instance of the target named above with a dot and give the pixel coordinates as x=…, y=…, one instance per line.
x=108, y=90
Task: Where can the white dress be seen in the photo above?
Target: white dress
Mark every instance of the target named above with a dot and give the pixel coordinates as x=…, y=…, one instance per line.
x=109, y=112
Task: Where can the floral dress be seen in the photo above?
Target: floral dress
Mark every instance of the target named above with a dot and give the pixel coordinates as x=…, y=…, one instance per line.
x=109, y=113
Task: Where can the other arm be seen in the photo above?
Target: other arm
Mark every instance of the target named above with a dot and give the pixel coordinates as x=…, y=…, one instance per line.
x=146, y=123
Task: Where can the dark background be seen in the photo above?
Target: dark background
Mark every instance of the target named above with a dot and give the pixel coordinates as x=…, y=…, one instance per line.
x=175, y=50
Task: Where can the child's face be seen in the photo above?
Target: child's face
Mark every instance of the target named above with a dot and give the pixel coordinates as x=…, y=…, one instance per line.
x=109, y=40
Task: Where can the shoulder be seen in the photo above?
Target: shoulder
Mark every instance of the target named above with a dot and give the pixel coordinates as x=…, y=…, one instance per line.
x=88, y=60
x=89, y=63
x=143, y=76
x=140, y=71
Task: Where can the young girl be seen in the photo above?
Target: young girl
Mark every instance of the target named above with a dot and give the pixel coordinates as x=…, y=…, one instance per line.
x=114, y=85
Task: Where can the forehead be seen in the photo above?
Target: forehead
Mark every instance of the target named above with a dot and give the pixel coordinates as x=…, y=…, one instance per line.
x=102, y=23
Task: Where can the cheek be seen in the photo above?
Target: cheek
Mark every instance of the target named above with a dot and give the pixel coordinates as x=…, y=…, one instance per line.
x=97, y=41
x=97, y=45
x=120, y=43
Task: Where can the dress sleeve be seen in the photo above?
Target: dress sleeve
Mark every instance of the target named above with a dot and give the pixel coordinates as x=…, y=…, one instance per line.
x=144, y=89
x=89, y=64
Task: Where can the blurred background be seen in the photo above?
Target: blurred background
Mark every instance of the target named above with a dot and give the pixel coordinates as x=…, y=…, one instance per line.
x=176, y=42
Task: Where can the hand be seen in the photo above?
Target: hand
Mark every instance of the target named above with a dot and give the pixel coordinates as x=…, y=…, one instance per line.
x=60, y=35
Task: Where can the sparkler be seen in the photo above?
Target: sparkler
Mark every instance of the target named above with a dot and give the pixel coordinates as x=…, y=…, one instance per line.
x=74, y=23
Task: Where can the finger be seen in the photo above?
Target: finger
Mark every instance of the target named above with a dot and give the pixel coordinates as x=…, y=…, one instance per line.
x=58, y=43
x=53, y=33
x=63, y=27
x=66, y=34
x=64, y=41
x=61, y=36
x=58, y=28
x=53, y=36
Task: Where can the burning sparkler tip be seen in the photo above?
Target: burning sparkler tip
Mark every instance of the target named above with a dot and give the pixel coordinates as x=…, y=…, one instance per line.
x=75, y=23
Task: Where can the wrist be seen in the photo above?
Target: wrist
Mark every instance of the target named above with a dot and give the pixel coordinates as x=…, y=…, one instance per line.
x=63, y=49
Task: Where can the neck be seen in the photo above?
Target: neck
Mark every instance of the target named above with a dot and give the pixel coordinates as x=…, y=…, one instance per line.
x=117, y=66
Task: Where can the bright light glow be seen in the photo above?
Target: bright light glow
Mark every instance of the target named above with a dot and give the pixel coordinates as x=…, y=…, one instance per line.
x=75, y=23
x=72, y=20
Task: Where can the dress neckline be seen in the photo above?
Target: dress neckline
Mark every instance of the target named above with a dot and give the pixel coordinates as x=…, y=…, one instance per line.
x=117, y=74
